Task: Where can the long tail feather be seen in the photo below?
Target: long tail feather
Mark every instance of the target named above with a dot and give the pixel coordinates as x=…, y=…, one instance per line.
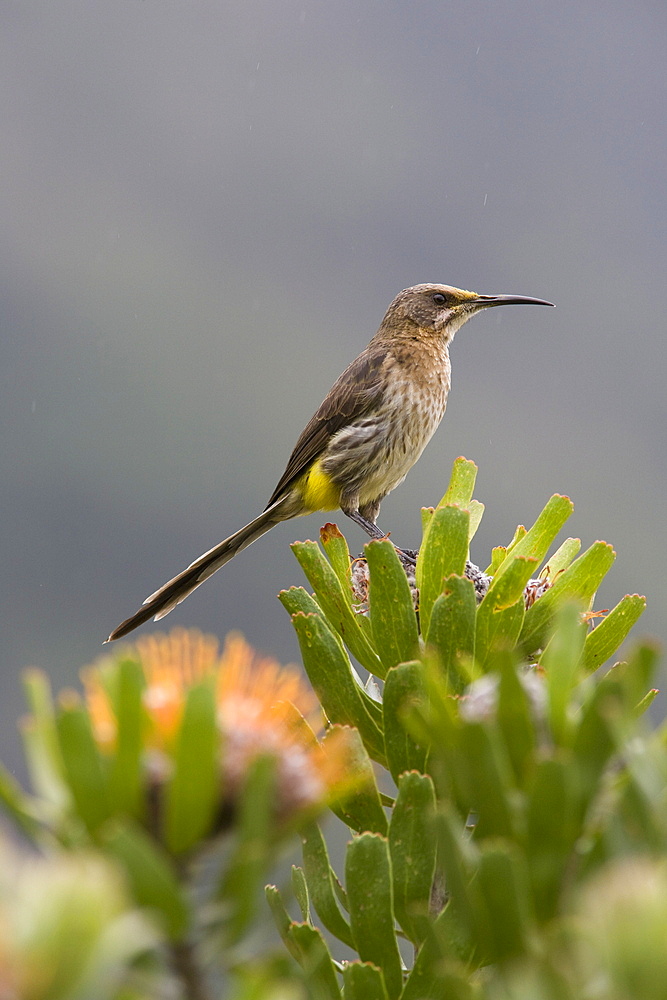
x=172, y=593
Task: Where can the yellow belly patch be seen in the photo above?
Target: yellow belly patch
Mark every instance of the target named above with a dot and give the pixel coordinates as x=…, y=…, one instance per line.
x=319, y=490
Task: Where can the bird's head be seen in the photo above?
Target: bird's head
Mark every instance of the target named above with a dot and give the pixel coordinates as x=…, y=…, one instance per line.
x=442, y=309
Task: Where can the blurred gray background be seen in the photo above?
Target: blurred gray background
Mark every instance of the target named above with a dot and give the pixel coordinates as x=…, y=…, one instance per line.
x=207, y=208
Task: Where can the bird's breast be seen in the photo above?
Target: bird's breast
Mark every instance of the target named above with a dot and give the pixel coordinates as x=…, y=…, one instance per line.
x=374, y=453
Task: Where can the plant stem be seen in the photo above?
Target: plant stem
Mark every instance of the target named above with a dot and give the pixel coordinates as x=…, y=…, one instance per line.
x=187, y=969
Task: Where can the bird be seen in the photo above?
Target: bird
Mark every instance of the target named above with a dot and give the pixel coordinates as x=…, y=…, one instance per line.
x=366, y=435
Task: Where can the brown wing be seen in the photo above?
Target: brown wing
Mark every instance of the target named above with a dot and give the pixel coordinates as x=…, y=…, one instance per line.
x=351, y=396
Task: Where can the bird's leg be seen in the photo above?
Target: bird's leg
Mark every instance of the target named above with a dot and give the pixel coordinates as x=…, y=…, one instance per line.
x=370, y=527
x=365, y=518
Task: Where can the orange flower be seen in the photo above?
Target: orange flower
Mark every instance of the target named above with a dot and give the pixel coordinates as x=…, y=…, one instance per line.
x=262, y=709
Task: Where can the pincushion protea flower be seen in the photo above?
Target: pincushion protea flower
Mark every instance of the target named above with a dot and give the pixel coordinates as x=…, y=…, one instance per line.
x=261, y=709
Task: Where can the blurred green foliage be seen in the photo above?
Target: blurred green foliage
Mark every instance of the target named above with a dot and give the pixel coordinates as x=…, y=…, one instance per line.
x=506, y=798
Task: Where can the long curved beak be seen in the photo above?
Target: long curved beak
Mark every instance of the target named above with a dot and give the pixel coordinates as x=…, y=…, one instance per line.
x=508, y=300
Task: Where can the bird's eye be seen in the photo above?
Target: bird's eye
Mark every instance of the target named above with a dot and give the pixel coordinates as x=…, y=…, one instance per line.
x=439, y=299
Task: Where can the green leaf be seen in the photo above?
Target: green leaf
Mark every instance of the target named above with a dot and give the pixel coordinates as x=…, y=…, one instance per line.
x=194, y=792
x=507, y=587
x=461, y=483
x=436, y=974
x=645, y=703
x=444, y=552
x=595, y=738
x=488, y=776
x=520, y=533
x=40, y=738
x=476, y=511
x=363, y=981
x=150, y=872
x=578, y=582
x=254, y=847
x=426, y=515
x=392, y=613
x=535, y=543
x=500, y=552
x=297, y=599
x=360, y=805
x=458, y=857
x=497, y=558
x=563, y=556
x=452, y=630
x=503, y=885
x=606, y=637
x=368, y=878
x=126, y=790
x=336, y=606
x=85, y=775
x=321, y=882
x=561, y=660
x=552, y=832
x=18, y=805
x=497, y=630
x=281, y=917
x=403, y=689
x=412, y=846
x=330, y=673
x=300, y=890
x=515, y=716
x=335, y=546
x=310, y=950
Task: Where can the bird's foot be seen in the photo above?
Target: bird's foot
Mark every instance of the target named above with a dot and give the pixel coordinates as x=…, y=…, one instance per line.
x=408, y=556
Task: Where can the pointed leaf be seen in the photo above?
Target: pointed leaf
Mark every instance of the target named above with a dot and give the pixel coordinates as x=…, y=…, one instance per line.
x=335, y=605
x=194, y=792
x=535, y=543
x=403, y=689
x=552, y=832
x=515, y=716
x=437, y=972
x=297, y=599
x=321, y=881
x=444, y=552
x=476, y=511
x=503, y=885
x=42, y=750
x=392, y=613
x=83, y=765
x=311, y=952
x=489, y=781
x=281, y=917
x=126, y=776
x=452, y=629
x=255, y=846
x=368, y=878
x=497, y=558
x=507, y=587
x=461, y=483
x=330, y=673
x=578, y=582
x=18, y=806
x=497, y=629
x=562, y=661
x=359, y=805
x=300, y=890
x=412, y=846
x=334, y=544
x=606, y=637
x=363, y=981
x=150, y=872
x=459, y=858
x=562, y=557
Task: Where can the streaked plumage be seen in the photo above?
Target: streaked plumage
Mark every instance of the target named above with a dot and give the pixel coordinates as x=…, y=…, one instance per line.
x=366, y=435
